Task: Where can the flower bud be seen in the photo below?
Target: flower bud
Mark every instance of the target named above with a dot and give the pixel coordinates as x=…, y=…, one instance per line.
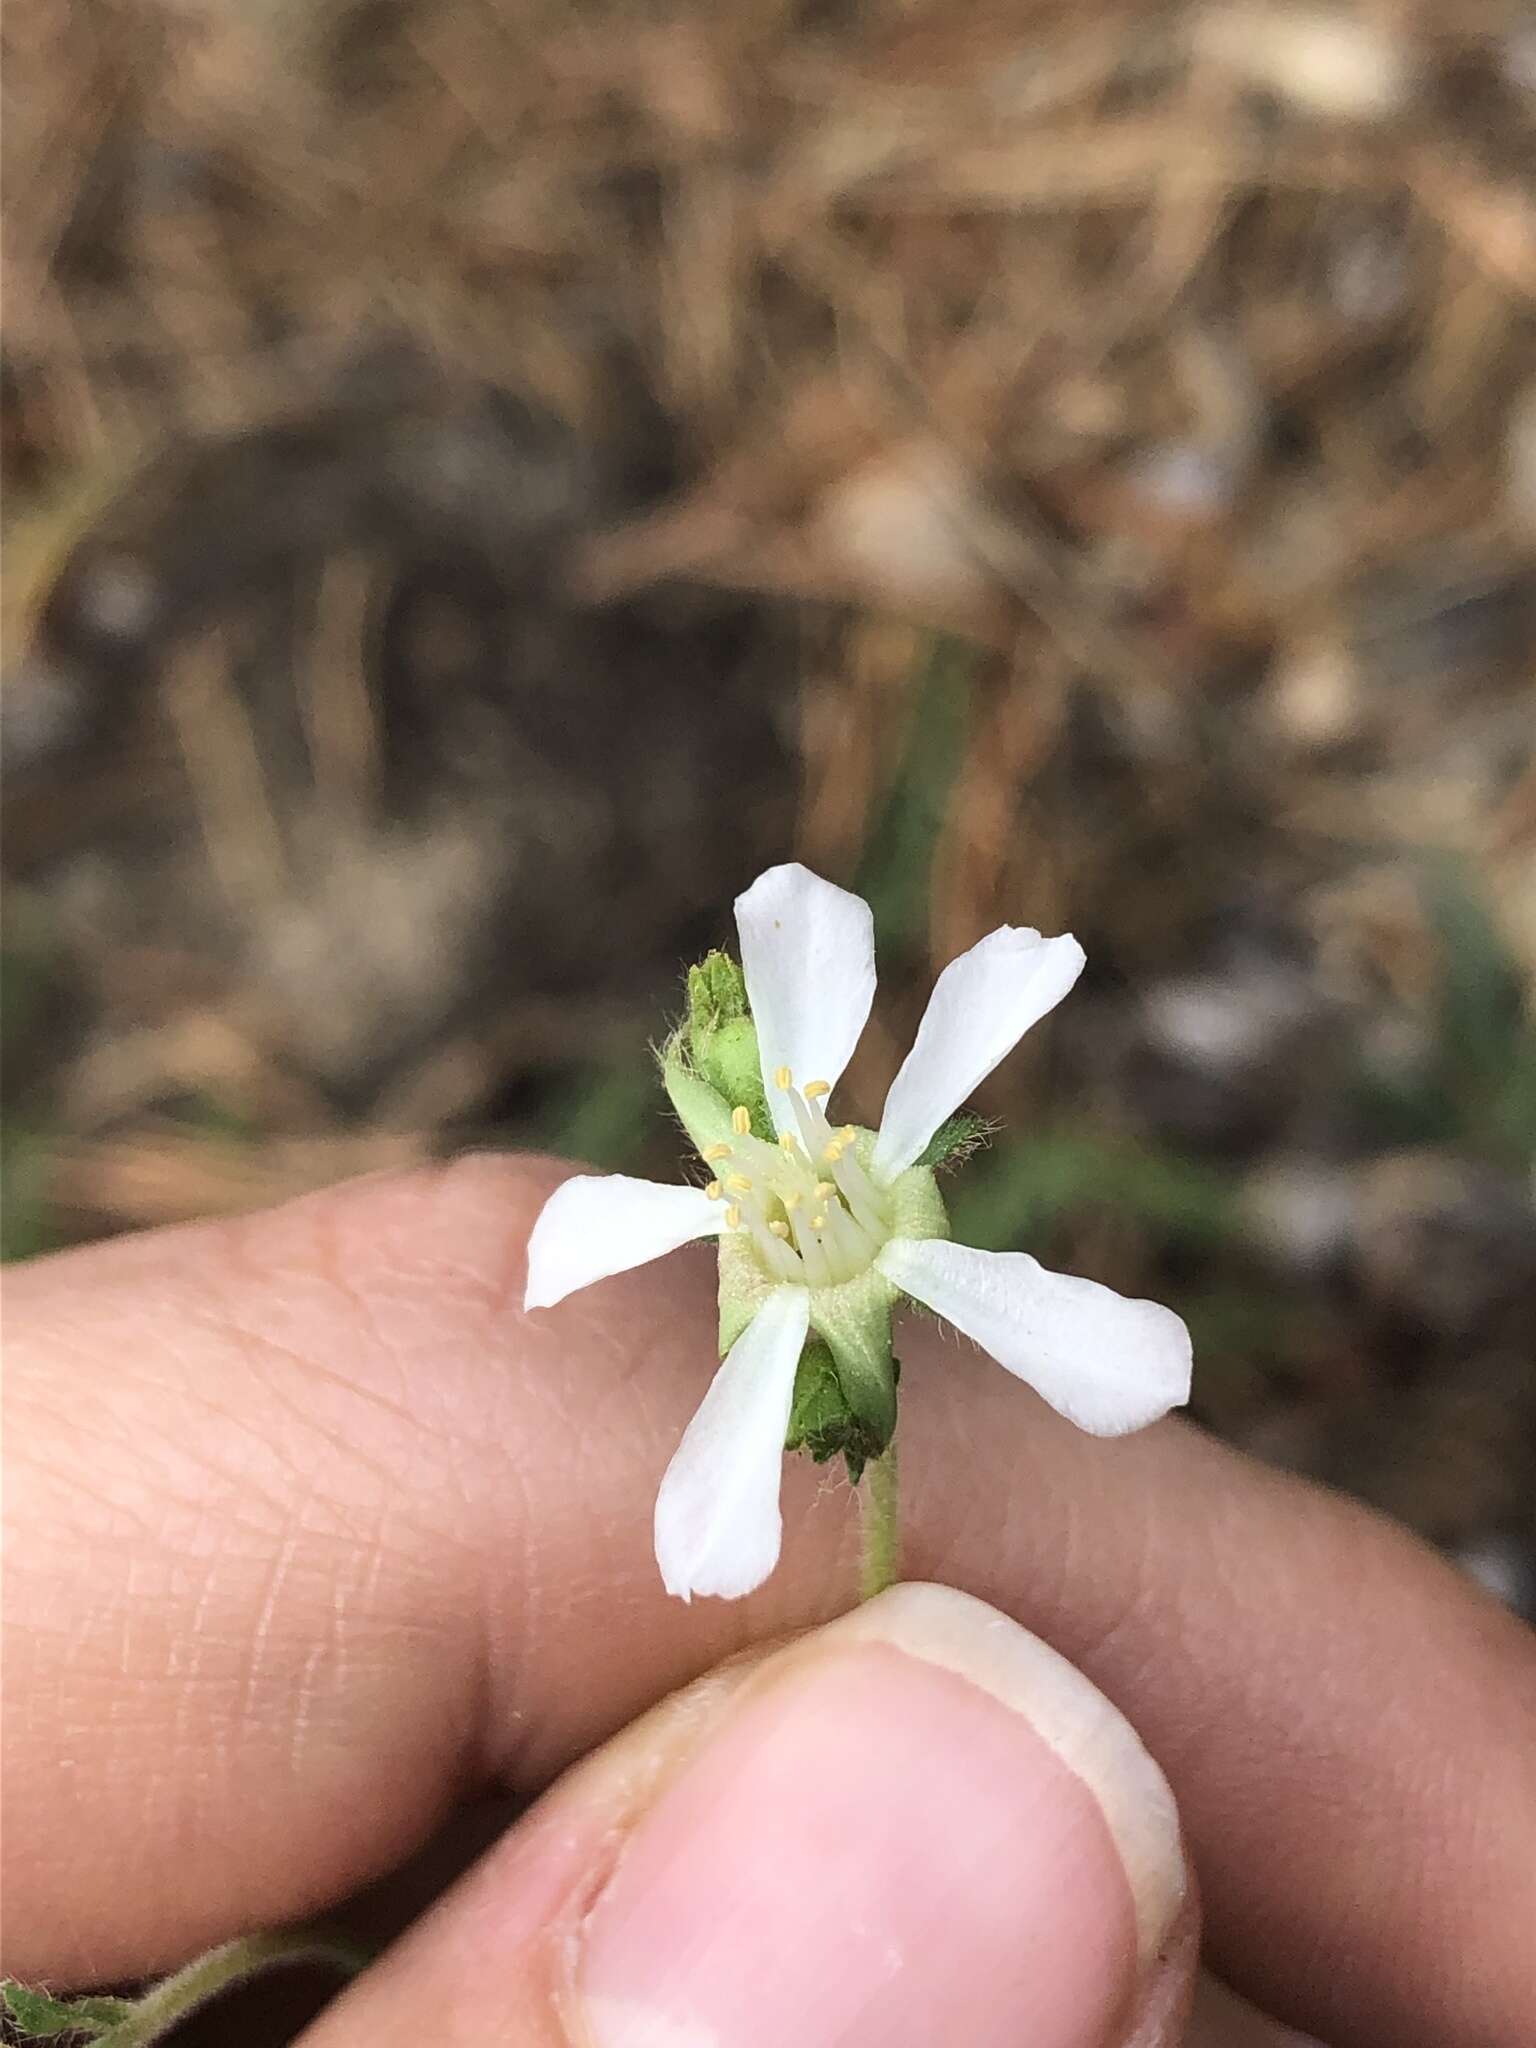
x=721, y=1039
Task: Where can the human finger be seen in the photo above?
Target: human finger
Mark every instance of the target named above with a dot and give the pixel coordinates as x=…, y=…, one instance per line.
x=915, y=1824
x=313, y=1530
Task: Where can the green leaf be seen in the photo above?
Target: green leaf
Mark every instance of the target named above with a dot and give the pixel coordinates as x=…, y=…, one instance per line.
x=26, y=1224
x=43, y=2017
x=1515, y=1106
x=1475, y=1087
x=895, y=872
x=955, y=1140
x=1481, y=1011
x=1022, y=1191
x=605, y=1118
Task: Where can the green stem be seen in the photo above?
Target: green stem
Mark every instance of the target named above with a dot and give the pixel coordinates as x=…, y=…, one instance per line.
x=882, y=1525
x=222, y=1968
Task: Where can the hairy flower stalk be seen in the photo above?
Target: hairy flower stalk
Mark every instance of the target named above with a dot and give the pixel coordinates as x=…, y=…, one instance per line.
x=824, y=1227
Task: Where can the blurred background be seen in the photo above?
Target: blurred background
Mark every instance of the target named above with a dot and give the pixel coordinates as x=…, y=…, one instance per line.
x=485, y=477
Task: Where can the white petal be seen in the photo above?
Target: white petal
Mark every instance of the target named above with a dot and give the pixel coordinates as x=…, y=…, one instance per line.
x=717, y=1514
x=981, y=1006
x=808, y=954
x=592, y=1226
x=1107, y=1363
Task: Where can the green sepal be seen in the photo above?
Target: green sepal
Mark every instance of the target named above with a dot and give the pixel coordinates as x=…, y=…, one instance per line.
x=744, y=1286
x=820, y=1420
x=42, y=2017
x=844, y=1402
x=917, y=1207
x=722, y=1039
x=854, y=1321
x=955, y=1140
x=703, y=1113
x=732, y=1067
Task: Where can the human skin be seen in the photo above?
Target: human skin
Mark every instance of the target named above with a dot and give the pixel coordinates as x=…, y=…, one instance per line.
x=312, y=1532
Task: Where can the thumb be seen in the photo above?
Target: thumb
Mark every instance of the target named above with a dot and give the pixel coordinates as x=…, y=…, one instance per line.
x=916, y=1824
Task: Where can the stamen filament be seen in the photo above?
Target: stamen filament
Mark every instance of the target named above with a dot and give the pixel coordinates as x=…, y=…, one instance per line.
x=813, y=1125
x=861, y=1195
x=848, y=1241
x=812, y=1211
x=814, y=1254
x=781, y=1260
x=875, y=1226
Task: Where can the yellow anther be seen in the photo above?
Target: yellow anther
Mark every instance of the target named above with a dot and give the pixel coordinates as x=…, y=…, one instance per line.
x=779, y=1229
x=741, y=1121
x=713, y=1152
x=713, y=1191
x=781, y=1077
x=788, y=1140
x=793, y=1200
x=846, y=1135
x=814, y=1088
x=733, y=1218
x=825, y=1190
x=818, y=1223
x=738, y=1184
x=834, y=1152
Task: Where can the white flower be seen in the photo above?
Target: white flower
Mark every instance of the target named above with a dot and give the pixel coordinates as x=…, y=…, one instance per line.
x=827, y=1229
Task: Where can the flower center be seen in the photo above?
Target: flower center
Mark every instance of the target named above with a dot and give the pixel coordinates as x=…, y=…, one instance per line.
x=813, y=1214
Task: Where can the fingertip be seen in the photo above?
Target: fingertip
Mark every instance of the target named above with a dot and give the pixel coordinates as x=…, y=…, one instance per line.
x=1086, y=1731
x=912, y=1824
